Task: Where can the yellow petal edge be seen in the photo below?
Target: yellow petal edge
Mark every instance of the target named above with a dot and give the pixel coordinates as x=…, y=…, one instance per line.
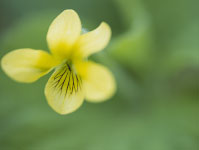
x=93, y=41
x=26, y=65
x=64, y=91
x=98, y=81
x=63, y=33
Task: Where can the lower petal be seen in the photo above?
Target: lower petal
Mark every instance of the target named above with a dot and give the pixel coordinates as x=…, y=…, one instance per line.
x=64, y=91
x=27, y=65
x=98, y=82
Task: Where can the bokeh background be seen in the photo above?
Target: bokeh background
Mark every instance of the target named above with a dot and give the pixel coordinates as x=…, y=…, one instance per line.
x=154, y=55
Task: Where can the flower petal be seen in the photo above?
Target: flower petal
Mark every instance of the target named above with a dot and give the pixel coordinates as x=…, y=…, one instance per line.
x=98, y=82
x=27, y=65
x=93, y=41
x=64, y=91
x=63, y=32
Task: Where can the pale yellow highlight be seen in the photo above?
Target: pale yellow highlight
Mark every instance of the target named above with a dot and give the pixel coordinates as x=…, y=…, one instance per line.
x=63, y=33
x=98, y=81
x=60, y=97
x=27, y=65
x=93, y=41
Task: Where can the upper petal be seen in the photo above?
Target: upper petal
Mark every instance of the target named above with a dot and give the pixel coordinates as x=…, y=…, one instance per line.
x=63, y=32
x=27, y=65
x=93, y=41
x=98, y=81
x=64, y=90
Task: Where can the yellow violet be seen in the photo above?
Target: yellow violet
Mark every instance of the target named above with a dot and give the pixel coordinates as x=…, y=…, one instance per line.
x=75, y=78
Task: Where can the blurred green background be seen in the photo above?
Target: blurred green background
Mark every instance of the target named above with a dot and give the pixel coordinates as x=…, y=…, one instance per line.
x=154, y=55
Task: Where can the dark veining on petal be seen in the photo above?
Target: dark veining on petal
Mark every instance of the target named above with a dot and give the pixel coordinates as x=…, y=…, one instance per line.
x=68, y=85
x=62, y=84
x=66, y=81
x=59, y=78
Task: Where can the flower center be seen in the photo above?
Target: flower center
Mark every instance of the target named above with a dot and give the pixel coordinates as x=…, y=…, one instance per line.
x=66, y=80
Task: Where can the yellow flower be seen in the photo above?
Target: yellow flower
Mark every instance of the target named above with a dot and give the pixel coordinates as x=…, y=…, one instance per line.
x=75, y=78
